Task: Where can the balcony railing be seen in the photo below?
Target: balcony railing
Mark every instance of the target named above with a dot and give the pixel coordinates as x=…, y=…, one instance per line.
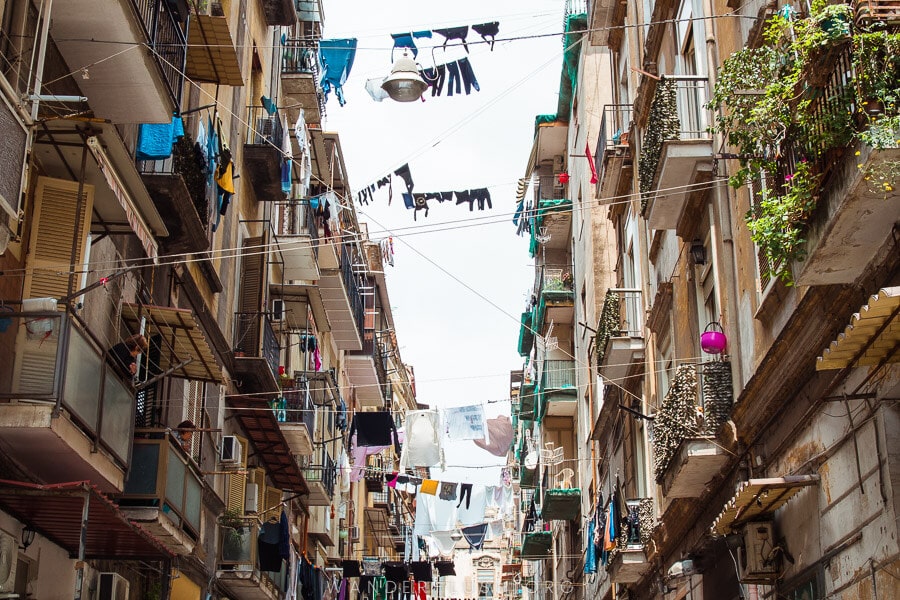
x=558, y=374
x=298, y=407
x=323, y=471
x=162, y=477
x=184, y=164
x=615, y=128
x=296, y=217
x=167, y=40
x=349, y=277
x=690, y=100
x=301, y=56
x=640, y=524
x=56, y=359
x=254, y=337
x=265, y=128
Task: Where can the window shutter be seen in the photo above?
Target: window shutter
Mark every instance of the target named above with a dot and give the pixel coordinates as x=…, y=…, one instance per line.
x=194, y=411
x=236, y=483
x=273, y=499
x=252, y=263
x=57, y=222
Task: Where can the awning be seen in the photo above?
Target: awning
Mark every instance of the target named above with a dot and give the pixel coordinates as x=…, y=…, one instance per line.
x=184, y=348
x=872, y=336
x=55, y=511
x=259, y=423
x=211, y=56
x=757, y=498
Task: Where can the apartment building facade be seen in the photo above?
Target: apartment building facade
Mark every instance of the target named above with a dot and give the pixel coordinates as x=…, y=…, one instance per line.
x=732, y=398
x=170, y=177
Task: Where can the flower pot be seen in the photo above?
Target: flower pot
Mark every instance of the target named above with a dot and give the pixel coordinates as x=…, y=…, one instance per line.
x=713, y=340
x=873, y=107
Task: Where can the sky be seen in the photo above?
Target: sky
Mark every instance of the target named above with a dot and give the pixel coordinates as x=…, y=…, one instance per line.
x=460, y=279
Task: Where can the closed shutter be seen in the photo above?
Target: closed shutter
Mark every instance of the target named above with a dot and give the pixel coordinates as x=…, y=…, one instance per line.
x=58, y=221
x=273, y=499
x=236, y=483
x=252, y=262
x=194, y=412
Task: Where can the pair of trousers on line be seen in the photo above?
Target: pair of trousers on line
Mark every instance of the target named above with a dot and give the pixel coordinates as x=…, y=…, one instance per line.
x=453, y=73
x=465, y=493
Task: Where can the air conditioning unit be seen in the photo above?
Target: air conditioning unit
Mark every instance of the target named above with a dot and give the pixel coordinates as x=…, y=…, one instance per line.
x=354, y=533
x=758, y=561
x=231, y=451
x=277, y=310
x=112, y=586
x=9, y=556
x=251, y=498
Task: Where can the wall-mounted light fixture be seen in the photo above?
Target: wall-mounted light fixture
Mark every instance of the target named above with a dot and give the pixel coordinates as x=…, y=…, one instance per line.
x=698, y=252
x=27, y=536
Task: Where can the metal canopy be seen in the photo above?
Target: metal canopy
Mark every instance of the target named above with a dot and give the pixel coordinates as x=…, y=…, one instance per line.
x=55, y=511
x=184, y=347
x=872, y=336
x=758, y=498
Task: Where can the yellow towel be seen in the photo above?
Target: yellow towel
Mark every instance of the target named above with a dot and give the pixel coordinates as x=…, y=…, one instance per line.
x=429, y=486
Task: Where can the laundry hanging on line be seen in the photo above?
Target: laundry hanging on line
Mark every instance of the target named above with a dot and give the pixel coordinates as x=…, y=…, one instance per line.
x=454, y=73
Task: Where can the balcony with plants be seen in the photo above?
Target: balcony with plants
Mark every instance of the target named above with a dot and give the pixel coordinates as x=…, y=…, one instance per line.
x=676, y=155
x=239, y=569
x=813, y=114
x=296, y=415
x=619, y=344
x=178, y=186
x=555, y=288
x=163, y=490
x=686, y=454
x=628, y=562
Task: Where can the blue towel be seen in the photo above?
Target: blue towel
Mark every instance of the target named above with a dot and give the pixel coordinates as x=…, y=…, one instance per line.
x=155, y=139
x=212, y=149
x=286, y=176
x=336, y=56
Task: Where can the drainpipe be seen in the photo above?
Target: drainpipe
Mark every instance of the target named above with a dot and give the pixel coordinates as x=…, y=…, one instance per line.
x=720, y=195
x=38, y=73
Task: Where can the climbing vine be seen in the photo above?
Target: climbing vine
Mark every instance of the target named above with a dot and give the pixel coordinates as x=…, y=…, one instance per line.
x=676, y=419
x=610, y=323
x=662, y=125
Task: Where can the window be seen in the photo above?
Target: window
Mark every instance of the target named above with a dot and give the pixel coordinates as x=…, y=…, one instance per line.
x=485, y=584
x=760, y=188
x=663, y=365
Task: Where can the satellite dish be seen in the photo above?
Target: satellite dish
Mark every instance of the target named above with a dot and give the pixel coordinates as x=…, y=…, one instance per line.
x=531, y=460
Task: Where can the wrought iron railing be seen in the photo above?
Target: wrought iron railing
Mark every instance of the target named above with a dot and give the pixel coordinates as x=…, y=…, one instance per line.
x=300, y=56
x=255, y=337
x=265, y=128
x=351, y=286
x=299, y=407
x=557, y=374
x=323, y=471
x=183, y=162
x=167, y=40
x=615, y=127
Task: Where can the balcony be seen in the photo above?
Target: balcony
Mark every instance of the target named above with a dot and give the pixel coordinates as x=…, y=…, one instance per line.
x=682, y=164
x=562, y=501
x=300, y=70
x=147, y=84
x=556, y=296
x=163, y=491
x=686, y=454
x=256, y=352
x=296, y=241
x=367, y=370
x=526, y=334
x=279, y=12
x=374, y=475
x=344, y=304
x=536, y=545
x=628, y=560
x=557, y=395
x=296, y=416
x=178, y=188
x=552, y=222
x=320, y=477
x=620, y=338
x=873, y=11
x=605, y=22
x=613, y=151
x=237, y=568
x=263, y=155
x=66, y=400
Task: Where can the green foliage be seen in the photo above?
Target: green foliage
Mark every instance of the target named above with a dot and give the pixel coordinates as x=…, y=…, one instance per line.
x=776, y=224
x=610, y=323
x=662, y=125
x=773, y=103
x=677, y=418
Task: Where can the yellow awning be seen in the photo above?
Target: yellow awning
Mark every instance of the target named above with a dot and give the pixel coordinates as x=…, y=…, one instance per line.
x=871, y=337
x=183, y=588
x=757, y=498
x=211, y=56
x=182, y=341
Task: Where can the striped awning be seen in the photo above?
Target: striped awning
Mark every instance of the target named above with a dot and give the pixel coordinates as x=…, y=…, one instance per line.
x=183, y=347
x=872, y=337
x=757, y=498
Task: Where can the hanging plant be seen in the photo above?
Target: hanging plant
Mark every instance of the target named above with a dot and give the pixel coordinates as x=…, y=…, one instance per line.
x=783, y=100
x=676, y=419
x=718, y=395
x=662, y=125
